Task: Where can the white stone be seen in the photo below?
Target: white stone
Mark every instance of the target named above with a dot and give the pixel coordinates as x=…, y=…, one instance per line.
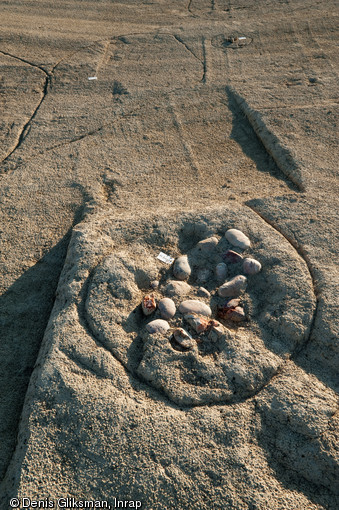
x=204, y=292
x=251, y=266
x=166, y=308
x=234, y=287
x=181, y=268
x=195, y=306
x=237, y=238
x=157, y=326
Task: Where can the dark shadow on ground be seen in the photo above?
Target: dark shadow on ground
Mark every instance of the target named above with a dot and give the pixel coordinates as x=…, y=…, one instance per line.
x=24, y=312
x=284, y=448
x=245, y=136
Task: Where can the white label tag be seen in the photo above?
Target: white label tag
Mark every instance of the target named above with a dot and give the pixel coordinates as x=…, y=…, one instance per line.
x=165, y=258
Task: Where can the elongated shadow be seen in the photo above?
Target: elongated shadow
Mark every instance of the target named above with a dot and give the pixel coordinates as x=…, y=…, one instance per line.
x=245, y=136
x=24, y=312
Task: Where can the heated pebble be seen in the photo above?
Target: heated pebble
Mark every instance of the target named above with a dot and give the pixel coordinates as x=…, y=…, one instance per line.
x=197, y=322
x=236, y=314
x=204, y=292
x=175, y=288
x=234, y=287
x=203, y=275
x=238, y=238
x=221, y=271
x=148, y=305
x=251, y=266
x=154, y=285
x=166, y=308
x=195, y=306
x=181, y=268
x=216, y=331
x=232, y=257
x=183, y=338
x=207, y=245
x=157, y=326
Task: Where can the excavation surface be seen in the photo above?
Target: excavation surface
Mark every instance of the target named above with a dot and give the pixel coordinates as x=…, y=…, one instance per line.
x=130, y=129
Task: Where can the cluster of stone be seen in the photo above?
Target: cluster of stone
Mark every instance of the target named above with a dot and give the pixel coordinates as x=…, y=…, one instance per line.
x=195, y=314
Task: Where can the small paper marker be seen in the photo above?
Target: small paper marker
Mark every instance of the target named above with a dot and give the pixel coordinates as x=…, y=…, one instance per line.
x=165, y=258
x=92, y=78
x=241, y=38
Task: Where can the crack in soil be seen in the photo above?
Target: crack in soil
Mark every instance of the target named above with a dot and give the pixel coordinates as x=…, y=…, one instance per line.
x=25, y=128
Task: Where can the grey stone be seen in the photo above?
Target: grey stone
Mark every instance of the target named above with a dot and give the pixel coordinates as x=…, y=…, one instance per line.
x=181, y=268
x=166, y=308
x=251, y=266
x=157, y=326
x=175, y=288
x=234, y=287
x=195, y=306
x=208, y=245
x=221, y=271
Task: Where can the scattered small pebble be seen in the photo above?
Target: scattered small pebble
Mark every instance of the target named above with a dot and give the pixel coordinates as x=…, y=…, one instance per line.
x=154, y=285
x=157, y=326
x=251, y=266
x=148, y=305
x=183, y=338
x=221, y=271
x=207, y=245
x=238, y=238
x=166, y=308
x=234, y=287
x=204, y=292
x=197, y=322
x=203, y=275
x=232, y=257
x=232, y=303
x=181, y=268
x=175, y=288
x=195, y=306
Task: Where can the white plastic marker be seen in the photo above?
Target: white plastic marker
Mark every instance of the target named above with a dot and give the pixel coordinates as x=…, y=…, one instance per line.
x=241, y=38
x=92, y=77
x=165, y=258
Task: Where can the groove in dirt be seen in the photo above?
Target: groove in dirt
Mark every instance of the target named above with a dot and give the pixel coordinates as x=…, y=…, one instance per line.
x=305, y=258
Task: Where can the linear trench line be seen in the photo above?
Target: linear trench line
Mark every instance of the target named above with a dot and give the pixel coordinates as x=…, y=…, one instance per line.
x=281, y=155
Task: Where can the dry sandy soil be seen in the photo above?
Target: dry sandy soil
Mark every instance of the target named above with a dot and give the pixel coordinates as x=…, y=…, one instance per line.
x=183, y=135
